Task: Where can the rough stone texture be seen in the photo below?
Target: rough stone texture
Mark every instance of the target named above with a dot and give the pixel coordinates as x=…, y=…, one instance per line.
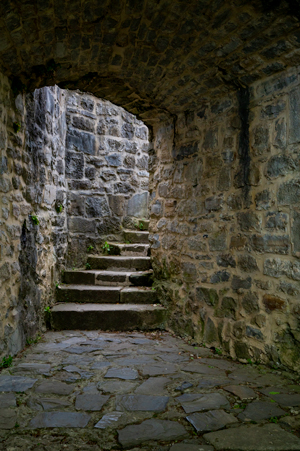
x=218, y=248
x=143, y=414
x=269, y=437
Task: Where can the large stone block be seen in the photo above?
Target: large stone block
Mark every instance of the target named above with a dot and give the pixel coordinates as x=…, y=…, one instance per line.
x=296, y=232
x=289, y=192
x=81, y=141
x=294, y=116
x=96, y=207
x=81, y=225
x=280, y=165
x=83, y=123
x=114, y=159
x=74, y=165
x=138, y=205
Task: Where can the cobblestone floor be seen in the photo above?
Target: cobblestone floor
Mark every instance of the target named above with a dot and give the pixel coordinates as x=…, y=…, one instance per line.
x=109, y=391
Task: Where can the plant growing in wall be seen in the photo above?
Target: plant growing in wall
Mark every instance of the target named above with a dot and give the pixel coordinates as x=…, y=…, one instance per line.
x=59, y=208
x=16, y=127
x=35, y=219
x=6, y=362
x=106, y=248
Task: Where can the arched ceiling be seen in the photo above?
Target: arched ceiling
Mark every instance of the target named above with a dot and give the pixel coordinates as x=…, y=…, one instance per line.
x=149, y=56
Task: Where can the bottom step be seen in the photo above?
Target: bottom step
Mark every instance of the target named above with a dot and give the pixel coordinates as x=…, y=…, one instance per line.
x=107, y=317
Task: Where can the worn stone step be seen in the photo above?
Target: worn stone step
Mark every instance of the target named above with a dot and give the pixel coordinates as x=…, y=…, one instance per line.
x=120, y=263
x=136, y=278
x=132, y=236
x=71, y=316
x=138, y=295
x=109, y=278
x=129, y=249
x=105, y=295
x=88, y=293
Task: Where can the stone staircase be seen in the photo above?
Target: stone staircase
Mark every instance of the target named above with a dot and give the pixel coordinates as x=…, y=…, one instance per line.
x=115, y=293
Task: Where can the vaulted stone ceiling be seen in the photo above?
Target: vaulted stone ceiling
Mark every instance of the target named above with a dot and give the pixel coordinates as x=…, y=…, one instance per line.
x=147, y=55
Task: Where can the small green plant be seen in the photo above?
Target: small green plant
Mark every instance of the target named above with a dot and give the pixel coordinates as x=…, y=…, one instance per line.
x=56, y=285
x=17, y=425
x=30, y=341
x=273, y=420
x=90, y=248
x=141, y=226
x=6, y=362
x=48, y=309
x=87, y=266
x=218, y=351
x=250, y=361
x=106, y=247
x=16, y=127
x=59, y=208
x=274, y=393
x=35, y=220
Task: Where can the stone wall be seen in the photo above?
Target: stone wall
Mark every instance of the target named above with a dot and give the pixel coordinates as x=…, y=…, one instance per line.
x=225, y=221
x=73, y=172
x=106, y=173
x=29, y=182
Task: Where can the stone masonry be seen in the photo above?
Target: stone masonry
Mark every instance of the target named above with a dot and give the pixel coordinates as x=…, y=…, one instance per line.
x=225, y=221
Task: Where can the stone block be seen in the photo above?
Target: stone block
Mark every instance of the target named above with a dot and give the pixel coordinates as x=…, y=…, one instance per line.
x=280, y=133
x=247, y=263
x=96, y=207
x=108, y=175
x=294, y=115
x=117, y=204
x=214, y=203
x=263, y=200
x=83, y=123
x=74, y=165
x=81, y=225
x=272, y=303
x=142, y=163
x=81, y=141
x=75, y=204
x=157, y=208
x=296, y=232
x=251, y=332
x=129, y=161
x=249, y=221
x=138, y=205
x=289, y=192
x=224, y=180
x=217, y=241
x=127, y=131
x=250, y=302
x=226, y=261
x=238, y=283
x=207, y=295
x=189, y=272
x=187, y=150
x=277, y=220
x=123, y=188
x=210, y=332
x=280, y=165
x=124, y=174
x=271, y=244
x=220, y=276
x=261, y=142
x=114, y=159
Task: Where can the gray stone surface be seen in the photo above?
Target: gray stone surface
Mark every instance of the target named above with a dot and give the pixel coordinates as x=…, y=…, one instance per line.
x=211, y=420
x=269, y=437
x=116, y=386
x=138, y=205
x=190, y=447
x=158, y=369
x=7, y=400
x=241, y=391
x=54, y=387
x=151, y=430
x=197, y=403
x=93, y=401
x=122, y=373
x=16, y=383
x=142, y=402
x=109, y=420
x=60, y=420
x=261, y=410
x=153, y=385
x=8, y=418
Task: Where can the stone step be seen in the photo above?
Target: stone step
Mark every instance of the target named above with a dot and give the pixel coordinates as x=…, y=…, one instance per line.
x=129, y=249
x=109, y=278
x=120, y=317
x=132, y=236
x=105, y=295
x=120, y=263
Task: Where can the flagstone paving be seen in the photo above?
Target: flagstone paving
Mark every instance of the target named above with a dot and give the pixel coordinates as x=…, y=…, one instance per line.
x=77, y=390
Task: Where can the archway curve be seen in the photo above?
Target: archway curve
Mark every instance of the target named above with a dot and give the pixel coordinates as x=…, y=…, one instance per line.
x=148, y=56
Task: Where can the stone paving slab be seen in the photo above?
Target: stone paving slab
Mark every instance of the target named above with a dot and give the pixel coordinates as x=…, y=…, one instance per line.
x=60, y=420
x=179, y=394
x=16, y=383
x=151, y=430
x=211, y=420
x=269, y=437
x=142, y=402
x=197, y=403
